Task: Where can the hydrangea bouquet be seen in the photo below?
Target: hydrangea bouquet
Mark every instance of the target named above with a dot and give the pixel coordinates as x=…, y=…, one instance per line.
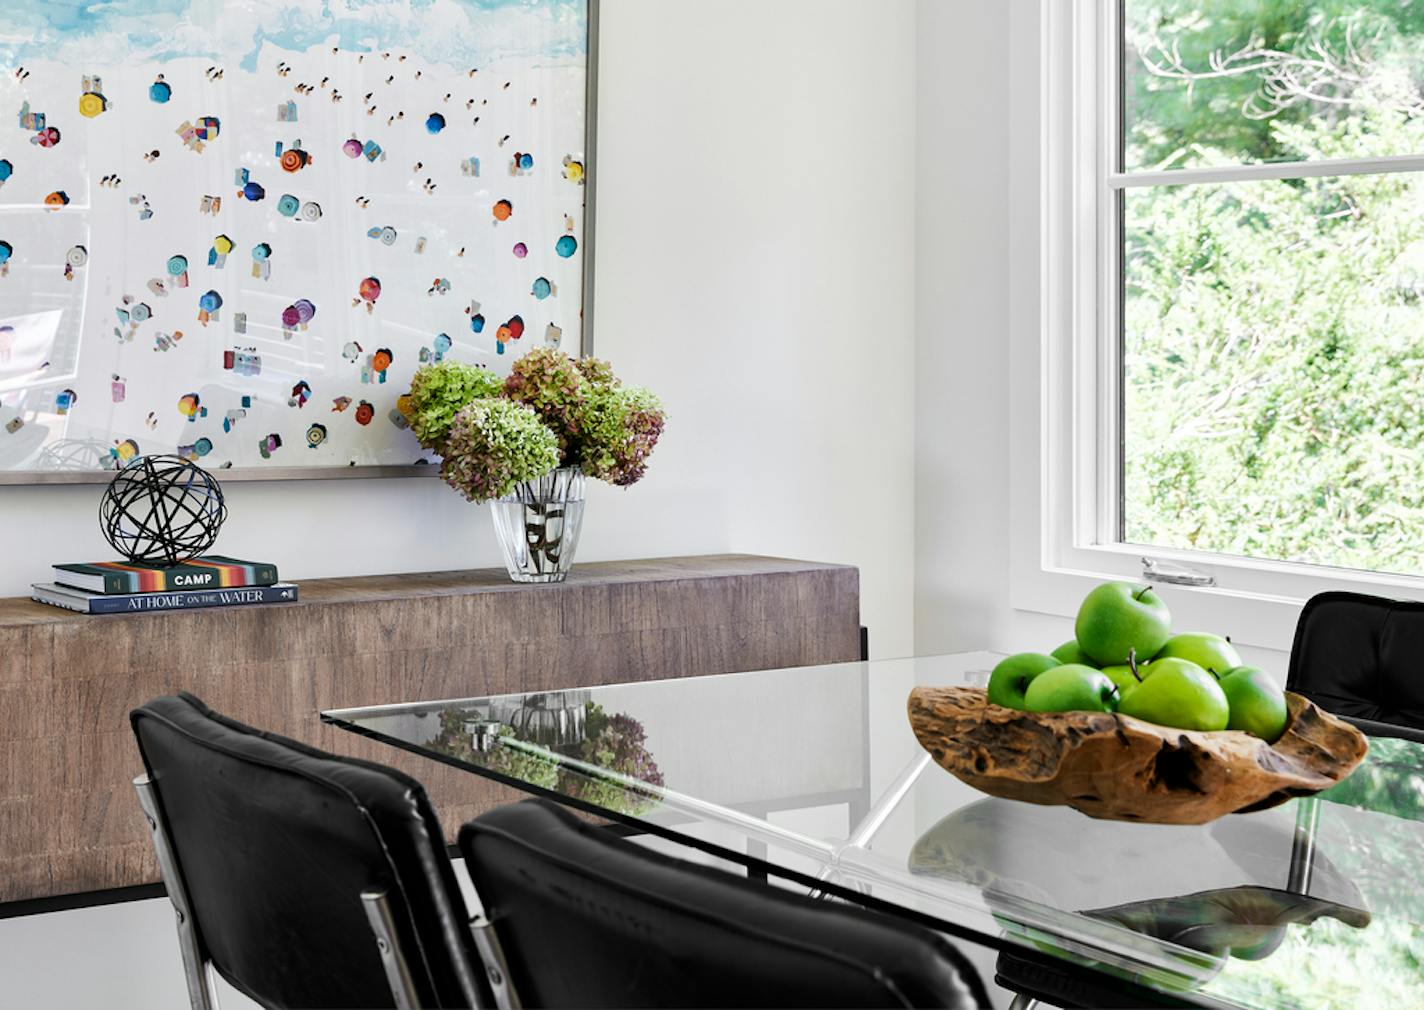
x=527, y=442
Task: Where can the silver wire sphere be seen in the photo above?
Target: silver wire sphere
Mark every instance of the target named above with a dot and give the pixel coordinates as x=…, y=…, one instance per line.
x=162, y=510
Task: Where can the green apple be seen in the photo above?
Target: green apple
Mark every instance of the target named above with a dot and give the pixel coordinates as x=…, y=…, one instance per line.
x=1117, y=619
x=1071, y=652
x=1212, y=653
x=1071, y=688
x=1178, y=693
x=1011, y=677
x=1258, y=705
x=1125, y=679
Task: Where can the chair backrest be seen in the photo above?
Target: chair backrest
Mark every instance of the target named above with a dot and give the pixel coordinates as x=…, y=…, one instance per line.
x=589, y=920
x=1362, y=657
x=274, y=844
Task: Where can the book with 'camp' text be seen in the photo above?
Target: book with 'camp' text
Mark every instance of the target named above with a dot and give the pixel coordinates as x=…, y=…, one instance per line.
x=114, y=578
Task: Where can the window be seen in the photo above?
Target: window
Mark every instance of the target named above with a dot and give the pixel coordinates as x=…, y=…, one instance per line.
x=1272, y=307
x=1234, y=314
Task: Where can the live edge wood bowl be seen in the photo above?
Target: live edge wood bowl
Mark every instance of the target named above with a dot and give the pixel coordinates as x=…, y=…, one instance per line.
x=1119, y=768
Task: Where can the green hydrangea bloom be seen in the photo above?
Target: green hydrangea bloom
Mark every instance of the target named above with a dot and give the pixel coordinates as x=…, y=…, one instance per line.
x=494, y=445
x=618, y=429
x=439, y=392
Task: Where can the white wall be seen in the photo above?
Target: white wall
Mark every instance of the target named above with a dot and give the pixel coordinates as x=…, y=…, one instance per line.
x=755, y=263
x=964, y=288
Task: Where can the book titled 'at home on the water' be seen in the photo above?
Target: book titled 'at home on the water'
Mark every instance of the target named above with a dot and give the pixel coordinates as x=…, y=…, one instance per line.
x=210, y=572
x=136, y=603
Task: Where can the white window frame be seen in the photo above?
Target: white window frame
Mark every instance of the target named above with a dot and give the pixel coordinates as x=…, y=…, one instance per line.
x=1064, y=473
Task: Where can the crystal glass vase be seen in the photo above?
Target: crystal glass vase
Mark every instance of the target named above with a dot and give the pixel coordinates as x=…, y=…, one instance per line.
x=538, y=525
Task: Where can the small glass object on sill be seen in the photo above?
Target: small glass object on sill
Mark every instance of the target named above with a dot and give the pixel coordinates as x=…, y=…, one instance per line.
x=538, y=525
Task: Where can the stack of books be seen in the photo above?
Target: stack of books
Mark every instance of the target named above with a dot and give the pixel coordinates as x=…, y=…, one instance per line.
x=112, y=587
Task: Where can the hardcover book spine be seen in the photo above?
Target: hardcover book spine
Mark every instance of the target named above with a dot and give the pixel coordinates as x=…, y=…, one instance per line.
x=192, y=600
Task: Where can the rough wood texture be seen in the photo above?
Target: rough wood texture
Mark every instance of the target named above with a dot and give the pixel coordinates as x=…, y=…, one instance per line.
x=1120, y=768
x=69, y=820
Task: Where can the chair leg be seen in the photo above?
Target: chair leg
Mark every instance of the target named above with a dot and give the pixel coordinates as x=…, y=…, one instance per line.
x=1023, y=1002
x=495, y=966
x=378, y=913
x=195, y=966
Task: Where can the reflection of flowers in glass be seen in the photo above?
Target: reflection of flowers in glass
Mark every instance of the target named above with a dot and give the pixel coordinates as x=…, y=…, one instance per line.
x=613, y=743
x=616, y=743
x=456, y=739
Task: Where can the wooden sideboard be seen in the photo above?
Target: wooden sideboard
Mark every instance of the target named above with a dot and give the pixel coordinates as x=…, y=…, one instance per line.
x=69, y=820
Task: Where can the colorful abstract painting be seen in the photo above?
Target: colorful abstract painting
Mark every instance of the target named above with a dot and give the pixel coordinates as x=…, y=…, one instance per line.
x=233, y=229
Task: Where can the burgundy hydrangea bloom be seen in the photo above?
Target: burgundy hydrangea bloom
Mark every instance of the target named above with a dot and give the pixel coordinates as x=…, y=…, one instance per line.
x=550, y=382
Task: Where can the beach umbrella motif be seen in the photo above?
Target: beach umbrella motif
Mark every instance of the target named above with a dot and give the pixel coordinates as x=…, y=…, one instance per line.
x=311, y=211
x=316, y=435
x=48, y=137
x=510, y=331
x=352, y=148
x=542, y=288
x=74, y=259
x=209, y=304
x=296, y=316
x=59, y=198
x=178, y=270
x=566, y=246
x=288, y=205
x=6, y=170
x=217, y=255
x=188, y=406
x=160, y=91
x=262, y=261
x=6, y=252
x=124, y=451
x=294, y=158
x=502, y=210
x=92, y=104
x=434, y=123
x=368, y=291
x=520, y=250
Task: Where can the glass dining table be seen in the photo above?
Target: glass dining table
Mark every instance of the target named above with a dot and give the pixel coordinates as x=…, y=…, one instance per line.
x=812, y=776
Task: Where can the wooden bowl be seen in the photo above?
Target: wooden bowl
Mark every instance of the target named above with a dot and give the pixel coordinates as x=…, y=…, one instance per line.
x=1120, y=768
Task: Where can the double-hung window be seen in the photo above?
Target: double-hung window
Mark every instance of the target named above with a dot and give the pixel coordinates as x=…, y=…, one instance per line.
x=1234, y=323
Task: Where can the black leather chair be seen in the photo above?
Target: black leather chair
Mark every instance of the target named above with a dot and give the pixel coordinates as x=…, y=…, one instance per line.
x=588, y=920
x=304, y=879
x=1362, y=658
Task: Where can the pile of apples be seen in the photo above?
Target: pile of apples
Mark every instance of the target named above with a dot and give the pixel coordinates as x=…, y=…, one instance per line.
x=1124, y=658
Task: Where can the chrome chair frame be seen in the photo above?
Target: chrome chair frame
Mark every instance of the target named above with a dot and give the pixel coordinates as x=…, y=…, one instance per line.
x=200, y=972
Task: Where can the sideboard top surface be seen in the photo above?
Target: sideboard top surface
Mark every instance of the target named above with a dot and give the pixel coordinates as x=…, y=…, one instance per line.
x=19, y=610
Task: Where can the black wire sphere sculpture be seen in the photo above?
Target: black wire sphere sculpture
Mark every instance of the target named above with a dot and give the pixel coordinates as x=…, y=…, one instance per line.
x=162, y=510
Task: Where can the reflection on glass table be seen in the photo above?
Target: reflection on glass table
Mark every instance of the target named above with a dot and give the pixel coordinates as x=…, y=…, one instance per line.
x=813, y=775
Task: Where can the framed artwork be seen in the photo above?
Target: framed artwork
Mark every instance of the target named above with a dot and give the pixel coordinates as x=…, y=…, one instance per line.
x=234, y=230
